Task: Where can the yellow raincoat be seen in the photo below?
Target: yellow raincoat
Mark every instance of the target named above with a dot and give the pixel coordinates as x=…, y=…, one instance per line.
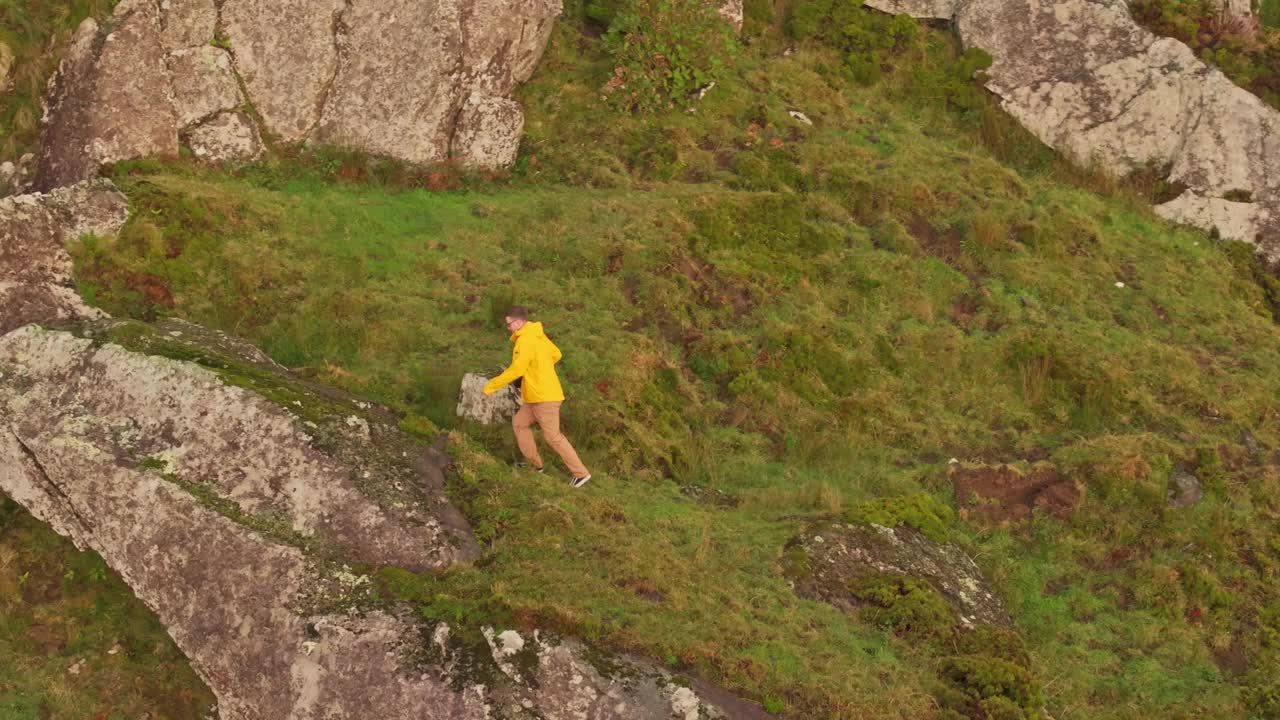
x=534, y=359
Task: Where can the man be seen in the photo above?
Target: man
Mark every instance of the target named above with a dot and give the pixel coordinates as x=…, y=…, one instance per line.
x=533, y=363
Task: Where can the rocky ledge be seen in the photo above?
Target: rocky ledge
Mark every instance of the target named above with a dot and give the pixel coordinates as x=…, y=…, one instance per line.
x=1089, y=82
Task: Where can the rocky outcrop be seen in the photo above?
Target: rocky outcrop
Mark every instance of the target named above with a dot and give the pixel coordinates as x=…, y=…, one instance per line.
x=111, y=99
x=420, y=81
x=203, y=83
x=1088, y=81
x=233, y=498
x=473, y=404
x=233, y=517
x=16, y=178
x=834, y=559
x=35, y=269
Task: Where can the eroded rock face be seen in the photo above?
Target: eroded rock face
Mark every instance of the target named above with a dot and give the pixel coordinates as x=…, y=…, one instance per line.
x=287, y=53
x=188, y=23
x=837, y=557
x=1090, y=82
x=111, y=99
x=473, y=404
x=421, y=81
x=227, y=137
x=203, y=83
x=446, y=93
x=107, y=445
x=35, y=269
x=546, y=676
x=487, y=133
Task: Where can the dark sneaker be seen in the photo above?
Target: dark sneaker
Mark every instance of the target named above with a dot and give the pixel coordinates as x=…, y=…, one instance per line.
x=523, y=465
x=579, y=482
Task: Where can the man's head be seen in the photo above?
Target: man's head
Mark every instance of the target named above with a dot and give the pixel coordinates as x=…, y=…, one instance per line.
x=516, y=316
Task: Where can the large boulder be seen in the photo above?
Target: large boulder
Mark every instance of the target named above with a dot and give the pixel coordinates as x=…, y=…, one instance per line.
x=420, y=81
x=35, y=269
x=1090, y=82
x=111, y=98
x=226, y=137
x=405, y=98
x=203, y=83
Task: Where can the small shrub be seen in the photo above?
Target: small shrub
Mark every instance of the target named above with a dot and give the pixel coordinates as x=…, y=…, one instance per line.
x=904, y=605
x=981, y=686
x=663, y=51
x=868, y=39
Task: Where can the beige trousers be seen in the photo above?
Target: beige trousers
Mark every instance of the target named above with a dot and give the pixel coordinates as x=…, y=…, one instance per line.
x=547, y=415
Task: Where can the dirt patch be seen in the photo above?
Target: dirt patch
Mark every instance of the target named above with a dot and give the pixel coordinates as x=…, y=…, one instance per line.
x=46, y=639
x=941, y=244
x=1232, y=660
x=1001, y=493
x=150, y=287
x=713, y=290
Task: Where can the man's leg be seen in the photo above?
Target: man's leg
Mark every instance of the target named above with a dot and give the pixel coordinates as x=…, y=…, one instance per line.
x=548, y=416
x=522, y=424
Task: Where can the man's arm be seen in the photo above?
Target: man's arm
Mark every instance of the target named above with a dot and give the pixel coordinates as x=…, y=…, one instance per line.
x=519, y=364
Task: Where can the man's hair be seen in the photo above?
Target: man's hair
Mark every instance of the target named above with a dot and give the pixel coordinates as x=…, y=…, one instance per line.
x=518, y=312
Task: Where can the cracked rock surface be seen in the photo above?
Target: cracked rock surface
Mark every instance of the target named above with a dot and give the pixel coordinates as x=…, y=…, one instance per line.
x=419, y=80
x=35, y=269
x=1090, y=82
x=111, y=99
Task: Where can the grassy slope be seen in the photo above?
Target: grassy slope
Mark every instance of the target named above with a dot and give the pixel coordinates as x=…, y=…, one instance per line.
x=886, y=294
x=895, y=286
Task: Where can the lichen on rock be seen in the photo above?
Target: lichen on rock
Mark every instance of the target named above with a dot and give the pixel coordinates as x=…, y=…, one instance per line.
x=35, y=269
x=832, y=563
x=1087, y=80
x=111, y=99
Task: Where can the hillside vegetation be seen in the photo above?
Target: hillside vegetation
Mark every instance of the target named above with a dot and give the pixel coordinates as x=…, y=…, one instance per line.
x=769, y=325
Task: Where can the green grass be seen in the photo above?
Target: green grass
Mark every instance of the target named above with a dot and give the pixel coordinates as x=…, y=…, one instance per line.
x=59, y=609
x=803, y=322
